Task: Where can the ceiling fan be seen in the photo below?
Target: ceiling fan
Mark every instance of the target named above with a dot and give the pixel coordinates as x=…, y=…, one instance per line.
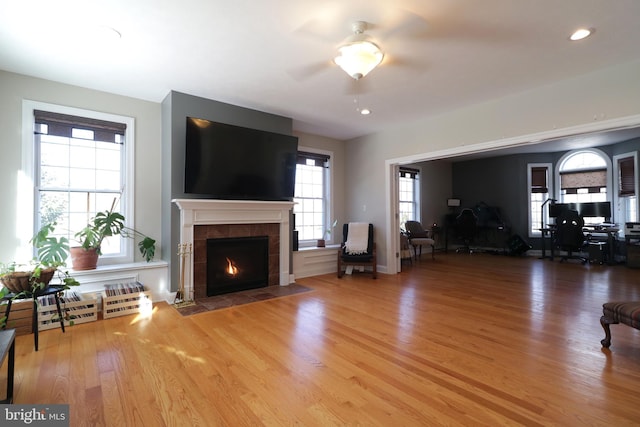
x=359, y=55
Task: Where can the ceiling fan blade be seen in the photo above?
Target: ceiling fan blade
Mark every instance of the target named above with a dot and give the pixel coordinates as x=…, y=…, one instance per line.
x=408, y=25
x=306, y=72
x=416, y=65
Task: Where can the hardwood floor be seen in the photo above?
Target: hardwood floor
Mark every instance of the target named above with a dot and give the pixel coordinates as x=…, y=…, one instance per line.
x=460, y=340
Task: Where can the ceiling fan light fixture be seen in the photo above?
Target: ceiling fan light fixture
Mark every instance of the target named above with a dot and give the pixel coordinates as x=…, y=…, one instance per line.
x=358, y=58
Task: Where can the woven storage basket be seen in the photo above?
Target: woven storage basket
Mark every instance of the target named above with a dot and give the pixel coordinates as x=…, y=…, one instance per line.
x=20, y=281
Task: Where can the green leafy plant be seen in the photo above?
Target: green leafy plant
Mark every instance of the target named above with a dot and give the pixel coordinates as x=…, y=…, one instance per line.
x=111, y=223
x=51, y=254
x=52, y=251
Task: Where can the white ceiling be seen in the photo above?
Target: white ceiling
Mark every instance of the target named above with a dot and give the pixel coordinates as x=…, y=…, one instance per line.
x=275, y=55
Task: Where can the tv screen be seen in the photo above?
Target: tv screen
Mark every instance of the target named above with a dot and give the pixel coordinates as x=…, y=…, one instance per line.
x=231, y=162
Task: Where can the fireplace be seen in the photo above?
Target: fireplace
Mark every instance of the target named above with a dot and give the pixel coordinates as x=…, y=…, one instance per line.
x=237, y=264
x=203, y=219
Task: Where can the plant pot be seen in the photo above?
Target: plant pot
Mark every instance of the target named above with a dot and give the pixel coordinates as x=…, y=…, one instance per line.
x=321, y=243
x=83, y=259
x=20, y=281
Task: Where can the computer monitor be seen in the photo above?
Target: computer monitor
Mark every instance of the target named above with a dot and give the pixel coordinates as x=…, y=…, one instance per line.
x=586, y=210
x=556, y=209
x=595, y=209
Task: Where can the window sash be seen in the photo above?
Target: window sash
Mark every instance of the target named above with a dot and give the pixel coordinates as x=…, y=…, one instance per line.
x=311, y=197
x=627, y=179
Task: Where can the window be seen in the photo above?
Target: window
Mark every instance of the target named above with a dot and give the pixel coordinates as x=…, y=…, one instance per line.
x=81, y=162
x=626, y=207
x=539, y=192
x=408, y=195
x=312, y=207
x=584, y=178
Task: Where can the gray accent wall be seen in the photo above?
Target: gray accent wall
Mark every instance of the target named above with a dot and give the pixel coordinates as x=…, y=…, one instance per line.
x=502, y=182
x=176, y=107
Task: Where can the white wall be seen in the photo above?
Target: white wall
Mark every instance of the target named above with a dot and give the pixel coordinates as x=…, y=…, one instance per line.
x=603, y=95
x=338, y=167
x=15, y=88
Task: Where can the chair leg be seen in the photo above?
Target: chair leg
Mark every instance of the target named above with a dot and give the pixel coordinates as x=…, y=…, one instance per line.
x=433, y=251
x=605, y=322
x=339, y=266
x=59, y=312
x=6, y=314
x=34, y=322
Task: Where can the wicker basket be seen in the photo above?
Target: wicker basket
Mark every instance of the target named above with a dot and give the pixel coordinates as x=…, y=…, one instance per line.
x=20, y=281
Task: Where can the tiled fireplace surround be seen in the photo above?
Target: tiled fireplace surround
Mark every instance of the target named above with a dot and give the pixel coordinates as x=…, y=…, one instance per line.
x=202, y=219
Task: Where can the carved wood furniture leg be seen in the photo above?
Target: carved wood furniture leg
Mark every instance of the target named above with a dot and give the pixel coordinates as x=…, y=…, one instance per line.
x=625, y=312
x=605, y=322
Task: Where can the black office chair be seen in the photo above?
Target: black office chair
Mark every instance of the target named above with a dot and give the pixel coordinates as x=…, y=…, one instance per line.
x=569, y=235
x=359, y=258
x=466, y=229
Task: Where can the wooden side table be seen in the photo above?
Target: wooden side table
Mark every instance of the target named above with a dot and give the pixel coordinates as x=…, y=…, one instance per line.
x=8, y=347
x=49, y=290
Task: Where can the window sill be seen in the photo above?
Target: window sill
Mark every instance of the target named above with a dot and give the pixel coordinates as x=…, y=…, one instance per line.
x=317, y=249
x=116, y=268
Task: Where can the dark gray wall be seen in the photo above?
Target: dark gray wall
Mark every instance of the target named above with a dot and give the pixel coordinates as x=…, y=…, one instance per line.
x=176, y=107
x=502, y=182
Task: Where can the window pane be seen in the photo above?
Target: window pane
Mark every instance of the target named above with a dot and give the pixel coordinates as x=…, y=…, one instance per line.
x=407, y=208
x=82, y=178
x=310, y=198
x=82, y=156
x=54, y=177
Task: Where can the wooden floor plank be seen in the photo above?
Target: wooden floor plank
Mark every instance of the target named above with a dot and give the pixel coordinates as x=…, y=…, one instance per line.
x=465, y=339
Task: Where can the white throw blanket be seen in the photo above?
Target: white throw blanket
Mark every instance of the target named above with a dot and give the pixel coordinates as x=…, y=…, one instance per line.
x=357, y=238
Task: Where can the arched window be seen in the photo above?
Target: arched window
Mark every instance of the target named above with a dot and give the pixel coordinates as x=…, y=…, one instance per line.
x=584, y=176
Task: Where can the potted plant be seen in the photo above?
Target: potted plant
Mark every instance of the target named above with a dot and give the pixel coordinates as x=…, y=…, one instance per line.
x=23, y=280
x=105, y=224
x=322, y=242
x=51, y=254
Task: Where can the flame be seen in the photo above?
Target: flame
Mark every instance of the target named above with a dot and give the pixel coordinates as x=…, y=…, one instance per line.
x=231, y=270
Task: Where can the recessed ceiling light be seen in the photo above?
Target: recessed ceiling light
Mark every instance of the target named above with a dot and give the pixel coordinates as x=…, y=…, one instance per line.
x=365, y=111
x=581, y=33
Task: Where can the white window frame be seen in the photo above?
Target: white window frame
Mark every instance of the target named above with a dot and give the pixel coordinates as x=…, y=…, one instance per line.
x=598, y=152
x=328, y=215
x=619, y=204
x=26, y=215
x=416, y=195
x=534, y=228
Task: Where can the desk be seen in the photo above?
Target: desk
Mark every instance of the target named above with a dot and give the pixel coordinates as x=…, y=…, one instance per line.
x=611, y=238
x=8, y=347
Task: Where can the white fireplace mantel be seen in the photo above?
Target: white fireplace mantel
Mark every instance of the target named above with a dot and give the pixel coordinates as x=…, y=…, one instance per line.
x=212, y=212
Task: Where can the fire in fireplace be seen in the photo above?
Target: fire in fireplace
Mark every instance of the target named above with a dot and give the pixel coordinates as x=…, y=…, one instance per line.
x=237, y=264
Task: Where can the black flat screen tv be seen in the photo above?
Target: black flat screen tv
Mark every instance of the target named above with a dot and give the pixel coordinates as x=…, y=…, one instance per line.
x=237, y=163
